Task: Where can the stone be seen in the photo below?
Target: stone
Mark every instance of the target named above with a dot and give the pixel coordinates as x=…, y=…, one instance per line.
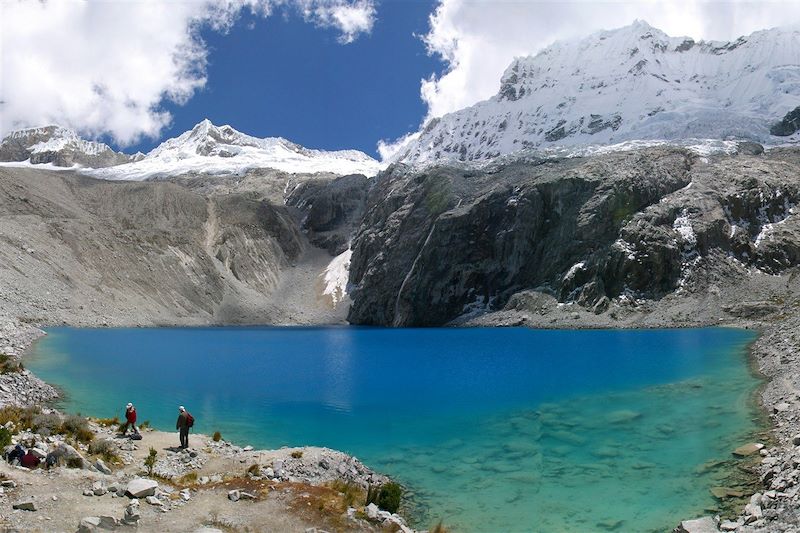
x=101, y=467
x=99, y=488
x=780, y=407
x=89, y=524
x=186, y=495
x=753, y=510
x=25, y=505
x=722, y=493
x=727, y=525
x=234, y=495
x=141, y=487
x=247, y=449
x=109, y=522
x=152, y=500
x=748, y=449
x=372, y=511
x=705, y=524
x=204, y=480
x=88, y=492
x=8, y=483
x=247, y=496
x=796, y=440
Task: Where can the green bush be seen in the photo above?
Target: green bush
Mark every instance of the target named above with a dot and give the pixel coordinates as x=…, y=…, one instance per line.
x=144, y=425
x=150, y=462
x=297, y=454
x=5, y=437
x=389, y=497
x=217, y=436
x=74, y=462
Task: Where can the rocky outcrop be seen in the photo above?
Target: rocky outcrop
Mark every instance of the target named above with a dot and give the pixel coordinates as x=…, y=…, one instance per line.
x=789, y=125
x=330, y=210
x=618, y=227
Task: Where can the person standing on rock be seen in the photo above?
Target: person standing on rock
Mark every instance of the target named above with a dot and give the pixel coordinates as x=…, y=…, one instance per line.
x=185, y=421
x=130, y=419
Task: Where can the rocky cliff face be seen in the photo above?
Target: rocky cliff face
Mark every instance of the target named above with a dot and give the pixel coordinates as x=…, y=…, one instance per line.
x=614, y=228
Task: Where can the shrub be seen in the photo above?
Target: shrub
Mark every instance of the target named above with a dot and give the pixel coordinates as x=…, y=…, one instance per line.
x=297, y=454
x=189, y=477
x=5, y=437
x=78, y=427
x=217, y=436
x=254, y=470
x=108, y=422
x=150, y=461
x=352, y=493
x=104, y=448
x=144, y=425
x=21, y=417
x=74, y=462
x=46, y=424
x=9, y=364
x=389, y=497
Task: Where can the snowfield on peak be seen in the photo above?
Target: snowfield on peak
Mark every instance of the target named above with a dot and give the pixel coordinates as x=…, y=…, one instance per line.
x=631, y=84
x=218, y=150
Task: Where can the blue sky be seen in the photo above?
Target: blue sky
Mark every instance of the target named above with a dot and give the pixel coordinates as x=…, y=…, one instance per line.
x=280, y=76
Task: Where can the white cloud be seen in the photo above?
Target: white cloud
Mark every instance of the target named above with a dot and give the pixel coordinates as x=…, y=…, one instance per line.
x=105, y=67
x=478, y=40
x=351, y=19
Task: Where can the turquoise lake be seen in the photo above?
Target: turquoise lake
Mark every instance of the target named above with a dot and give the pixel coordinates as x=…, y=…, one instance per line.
x=493, y=430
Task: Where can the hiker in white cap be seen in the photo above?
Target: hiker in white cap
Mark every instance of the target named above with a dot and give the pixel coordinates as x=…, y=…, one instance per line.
x=185, y=421
x=130, y=419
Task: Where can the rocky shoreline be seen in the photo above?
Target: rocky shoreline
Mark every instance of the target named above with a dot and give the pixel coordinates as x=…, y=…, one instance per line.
x=210, y=467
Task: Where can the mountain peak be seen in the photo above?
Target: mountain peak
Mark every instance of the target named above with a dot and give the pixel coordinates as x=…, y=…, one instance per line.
x=57, y=145
x=630, y=83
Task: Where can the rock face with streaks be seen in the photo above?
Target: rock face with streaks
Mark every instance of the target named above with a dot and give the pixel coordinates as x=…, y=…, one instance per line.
x=442, y=243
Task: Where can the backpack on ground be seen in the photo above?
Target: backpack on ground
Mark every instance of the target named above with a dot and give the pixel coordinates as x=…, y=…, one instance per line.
x=189, y=419
x=136, y=436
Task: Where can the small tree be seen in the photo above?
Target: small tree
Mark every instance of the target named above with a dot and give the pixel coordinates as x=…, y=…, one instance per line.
x=150, y=462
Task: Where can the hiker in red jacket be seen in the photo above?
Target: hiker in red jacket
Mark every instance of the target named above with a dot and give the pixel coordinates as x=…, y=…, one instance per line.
x=130, y=419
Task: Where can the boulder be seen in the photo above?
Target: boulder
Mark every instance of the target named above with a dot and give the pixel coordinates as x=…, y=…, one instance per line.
x=141, y=488
x=109, y=522
x=748, y=449
x=705, y=524
x=88, y=524
x=372, y=511
x=25, y=505
x=99, y=488
x=247, y=496
x=101, y=467
x=132, y=515
x=152, y=500
x=781, y=407
x=234, y=495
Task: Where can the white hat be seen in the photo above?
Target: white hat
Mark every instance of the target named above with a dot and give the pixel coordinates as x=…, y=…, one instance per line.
x=129, y=405
x=181, y=408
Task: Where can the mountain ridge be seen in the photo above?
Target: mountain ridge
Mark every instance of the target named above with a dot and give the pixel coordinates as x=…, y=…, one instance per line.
x=632, y=83
x=205, y=149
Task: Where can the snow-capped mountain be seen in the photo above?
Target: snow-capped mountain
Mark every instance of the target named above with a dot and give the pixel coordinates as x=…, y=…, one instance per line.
x=633, y=83
x=210, y=149
x=60, y=147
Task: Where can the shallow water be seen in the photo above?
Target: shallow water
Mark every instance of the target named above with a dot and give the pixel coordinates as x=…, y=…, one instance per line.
x=493, y=429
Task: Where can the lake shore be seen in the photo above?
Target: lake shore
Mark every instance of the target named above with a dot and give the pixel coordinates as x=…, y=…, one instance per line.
x=771, y=354
x=228, y=487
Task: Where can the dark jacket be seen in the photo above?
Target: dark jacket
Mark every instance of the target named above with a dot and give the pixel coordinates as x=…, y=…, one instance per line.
x=183, y=421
